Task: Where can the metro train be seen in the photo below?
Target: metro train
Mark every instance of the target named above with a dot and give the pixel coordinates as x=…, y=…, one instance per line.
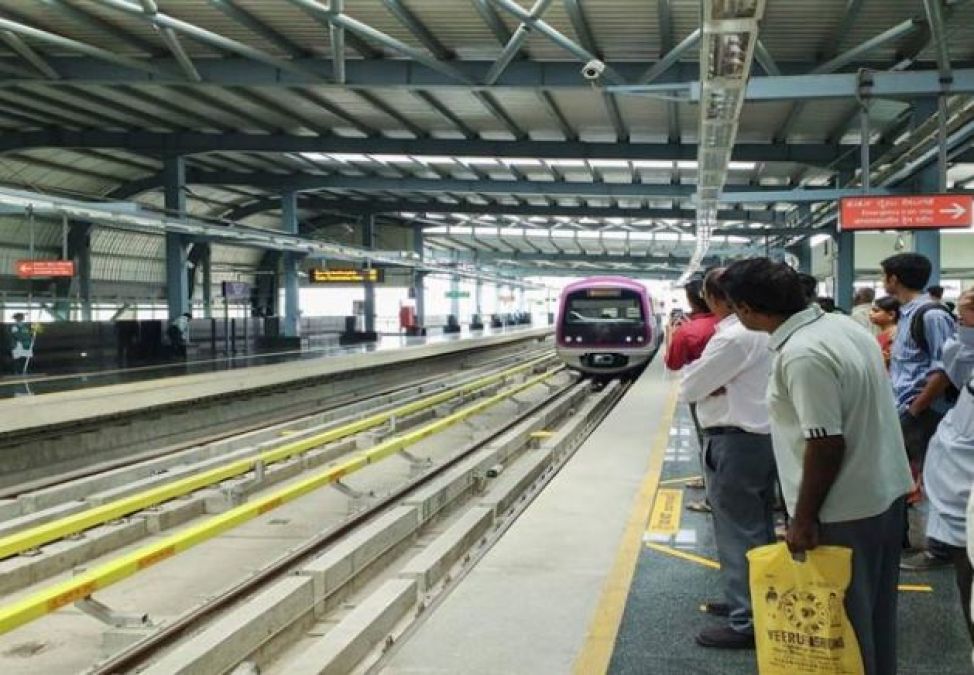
x=607, y=326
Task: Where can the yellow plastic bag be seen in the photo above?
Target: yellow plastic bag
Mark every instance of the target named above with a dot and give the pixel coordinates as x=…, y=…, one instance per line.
x=800, y=624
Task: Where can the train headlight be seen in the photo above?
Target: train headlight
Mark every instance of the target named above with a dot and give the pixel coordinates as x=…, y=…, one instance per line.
x=628, y=338
x=639, y=338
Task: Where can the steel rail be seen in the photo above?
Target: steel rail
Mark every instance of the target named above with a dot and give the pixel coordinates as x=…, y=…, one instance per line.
x=31, y=538
x=56, y=596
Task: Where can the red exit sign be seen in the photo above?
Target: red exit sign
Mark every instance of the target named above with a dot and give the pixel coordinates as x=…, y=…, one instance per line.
x=906, y=212
x=29, y=269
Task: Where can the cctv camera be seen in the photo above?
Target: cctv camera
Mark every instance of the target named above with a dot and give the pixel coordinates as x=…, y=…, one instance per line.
x=593, y=69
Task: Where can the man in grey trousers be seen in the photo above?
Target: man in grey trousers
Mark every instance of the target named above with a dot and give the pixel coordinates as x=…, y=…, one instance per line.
x=837, y=443
x=728, y=384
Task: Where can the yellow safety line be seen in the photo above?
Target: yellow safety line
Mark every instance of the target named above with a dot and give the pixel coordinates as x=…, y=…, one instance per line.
x=677, y=553
x=713, y=564
x=600, y=640
x=83, y=520
x=81, y=586
x=677, y=481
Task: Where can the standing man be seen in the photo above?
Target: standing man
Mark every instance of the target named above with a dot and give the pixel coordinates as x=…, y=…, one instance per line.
x=862, y=307
x=728, y=385
x=685, y=342
x=839, y=453
x=917, y=371
x=21, y=343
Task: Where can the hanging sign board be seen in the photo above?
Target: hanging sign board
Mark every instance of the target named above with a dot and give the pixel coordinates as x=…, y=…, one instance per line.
x=906, y=212
x=30, y=269
x=345, y=276
x=456, y=294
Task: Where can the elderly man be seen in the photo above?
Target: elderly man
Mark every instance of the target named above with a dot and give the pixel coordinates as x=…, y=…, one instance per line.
x=862, y=306
x=728, y=385
x=837, y=443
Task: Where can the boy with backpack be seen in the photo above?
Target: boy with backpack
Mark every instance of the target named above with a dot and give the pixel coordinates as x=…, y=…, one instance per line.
x=920, y=385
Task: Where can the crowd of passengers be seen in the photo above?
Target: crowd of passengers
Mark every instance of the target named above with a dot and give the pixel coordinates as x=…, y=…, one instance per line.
x=848, y=422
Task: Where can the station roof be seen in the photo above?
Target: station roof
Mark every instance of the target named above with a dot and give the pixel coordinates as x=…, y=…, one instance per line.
x=457, y=115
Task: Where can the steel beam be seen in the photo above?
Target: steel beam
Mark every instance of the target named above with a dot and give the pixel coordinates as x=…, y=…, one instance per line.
x=501, y=115
x=550, y=210
x=556, y=37
x=446, y=113
x=615, y=116
x=493, y=20
x=106, y=28
x=193, y=142
x=582, y=30
x=215, y=39
x=765, y=60
x=300, y=182
x=28, y=54
x=548, y=101
x=419, y=30
x=80, y=48
x=849, y=16
x=258, y=27
x=513, y=46
x=669, y=59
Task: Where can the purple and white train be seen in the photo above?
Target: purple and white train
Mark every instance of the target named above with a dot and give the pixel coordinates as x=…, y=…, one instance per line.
x=607, y=326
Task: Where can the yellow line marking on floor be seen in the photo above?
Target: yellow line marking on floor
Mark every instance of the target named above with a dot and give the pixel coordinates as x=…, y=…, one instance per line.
x=600, y=640
x=542, y=434
x=915, y=588
x=691, y=557
x=713, y=564
x=665, y=520
x=677, y=481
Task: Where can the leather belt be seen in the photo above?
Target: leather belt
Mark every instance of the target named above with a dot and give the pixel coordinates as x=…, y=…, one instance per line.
x=721, y=431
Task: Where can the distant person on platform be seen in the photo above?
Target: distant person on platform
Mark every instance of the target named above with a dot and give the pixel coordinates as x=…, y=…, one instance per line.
x=920, y=383
x=21, y=343
x=728, y=384
x=838, y=450
x=179, y=334
x=862, y=308
x=686, y=338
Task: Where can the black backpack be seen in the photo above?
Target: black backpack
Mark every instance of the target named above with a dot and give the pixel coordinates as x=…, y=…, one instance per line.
x=919, y=335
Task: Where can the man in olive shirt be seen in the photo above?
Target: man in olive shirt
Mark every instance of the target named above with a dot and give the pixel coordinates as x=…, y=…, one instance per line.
x=837, y=443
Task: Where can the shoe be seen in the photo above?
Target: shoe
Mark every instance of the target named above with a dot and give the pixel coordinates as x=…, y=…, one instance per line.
x=725, y=637
x=700, y=506
x=715, y=608
x=922, y=562
x=695, y=484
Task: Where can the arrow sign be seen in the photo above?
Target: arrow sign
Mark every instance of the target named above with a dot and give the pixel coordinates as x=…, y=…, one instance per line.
x=955, y=211
x=906, y=212
x=29, y=269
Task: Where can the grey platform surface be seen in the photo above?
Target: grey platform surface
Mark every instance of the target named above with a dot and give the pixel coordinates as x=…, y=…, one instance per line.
x=662, y=615
x=528, y=605
x=27, y=412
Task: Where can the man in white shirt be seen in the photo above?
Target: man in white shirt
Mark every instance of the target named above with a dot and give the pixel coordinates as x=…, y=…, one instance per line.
x=838, y=447
x=728, y=384
x=862, y=306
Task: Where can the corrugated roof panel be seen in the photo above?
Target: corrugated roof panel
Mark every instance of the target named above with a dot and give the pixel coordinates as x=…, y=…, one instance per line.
x=585, y=111
x=624, y=30
x=647, y=118
x=110, y=242
x=798, y=31
x=877, y=17
x=760, y=120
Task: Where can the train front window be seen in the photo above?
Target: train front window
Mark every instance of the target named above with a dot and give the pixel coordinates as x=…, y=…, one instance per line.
x=604, y=305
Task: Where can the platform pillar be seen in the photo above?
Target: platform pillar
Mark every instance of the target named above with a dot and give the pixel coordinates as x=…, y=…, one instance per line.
x=206, y=265
x=845, y=269
x=368, y=241
x=177, y=245
x=419, y=289
x=478, y=296
x=290, y=262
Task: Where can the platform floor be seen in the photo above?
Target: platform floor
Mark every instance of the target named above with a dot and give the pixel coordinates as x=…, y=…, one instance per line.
x=575, y=585
x=39, y=383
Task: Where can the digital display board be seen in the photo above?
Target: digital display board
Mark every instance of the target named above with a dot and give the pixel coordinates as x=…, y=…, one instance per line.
x=317, y=275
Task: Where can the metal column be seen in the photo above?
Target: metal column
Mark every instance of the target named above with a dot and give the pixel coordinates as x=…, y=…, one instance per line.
x=455, y=296
x=804, y=249
x=368, y=241
x=207, y=264
x=845, y=260
x=931, y=180
x=82, y=252
x=478, y=297
x=291, y=260
x=419, y=290
x=177, y=246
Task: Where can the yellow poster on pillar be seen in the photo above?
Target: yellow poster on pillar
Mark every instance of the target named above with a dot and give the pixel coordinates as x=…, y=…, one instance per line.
x=800, y=623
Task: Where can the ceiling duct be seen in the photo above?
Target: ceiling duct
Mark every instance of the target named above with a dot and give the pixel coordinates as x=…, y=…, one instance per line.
x=730, y=32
